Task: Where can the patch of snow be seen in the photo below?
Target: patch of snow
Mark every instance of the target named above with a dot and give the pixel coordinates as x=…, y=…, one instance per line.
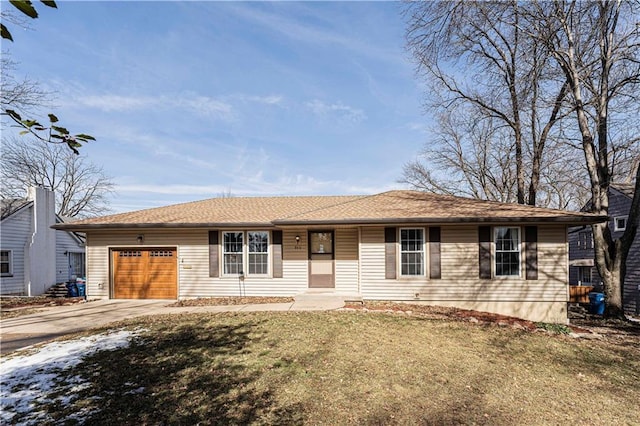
x=34, y=377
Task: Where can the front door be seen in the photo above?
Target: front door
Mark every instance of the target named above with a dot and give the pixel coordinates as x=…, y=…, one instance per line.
x=321, y=269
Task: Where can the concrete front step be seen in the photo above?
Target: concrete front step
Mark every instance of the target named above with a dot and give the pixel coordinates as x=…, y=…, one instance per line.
x=58, y=290
x=314, y=298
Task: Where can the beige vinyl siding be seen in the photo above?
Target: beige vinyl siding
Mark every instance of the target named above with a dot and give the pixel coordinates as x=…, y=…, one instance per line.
x=346, y=261
x=460, y=285
x=295, y=264
x=14, y=234
x=193, y=264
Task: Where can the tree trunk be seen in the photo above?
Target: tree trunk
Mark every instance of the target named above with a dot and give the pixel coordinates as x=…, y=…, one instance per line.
x=610, y=264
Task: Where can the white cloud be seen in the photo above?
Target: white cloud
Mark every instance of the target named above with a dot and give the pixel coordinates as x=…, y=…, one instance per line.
x=110, y=103
x=204, y=106
x=267, y=100
x=171, y=189
x=344, y=112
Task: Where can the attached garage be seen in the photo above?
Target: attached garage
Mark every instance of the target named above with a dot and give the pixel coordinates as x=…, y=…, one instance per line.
x=145, y=273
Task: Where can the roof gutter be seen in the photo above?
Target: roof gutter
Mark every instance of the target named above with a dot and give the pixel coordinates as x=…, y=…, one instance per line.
x=93, y=226
x=577, y=220
x=580, y=220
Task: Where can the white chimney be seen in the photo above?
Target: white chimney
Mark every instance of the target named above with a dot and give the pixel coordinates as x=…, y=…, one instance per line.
x=41, y=248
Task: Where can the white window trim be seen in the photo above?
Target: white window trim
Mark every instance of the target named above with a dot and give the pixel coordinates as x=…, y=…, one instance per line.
x=245, y=253
x=424, y=253
x=494, y=251
x=615, y=223
x=10, y=261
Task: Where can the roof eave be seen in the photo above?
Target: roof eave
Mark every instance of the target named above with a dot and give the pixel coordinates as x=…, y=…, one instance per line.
x=94, y=226
x=559, y=219
x=290, y=222
x=14, y=212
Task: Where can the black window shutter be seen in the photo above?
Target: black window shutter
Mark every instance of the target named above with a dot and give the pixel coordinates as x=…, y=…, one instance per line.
x=484, y=244
x=434, y=253
x=276, y=245
x=214, y=249
x=390, y=253
x=531, y=252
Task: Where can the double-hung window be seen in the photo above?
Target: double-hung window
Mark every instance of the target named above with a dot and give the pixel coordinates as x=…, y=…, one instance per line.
x=585, y=240
x=245, y=253
x=584, y=275
x=507, y=251
x=258, y=252
x=232, y=252
x=6, y=268
x=412, y=251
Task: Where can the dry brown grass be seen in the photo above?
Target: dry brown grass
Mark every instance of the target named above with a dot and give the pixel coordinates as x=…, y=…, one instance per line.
x=229, y=301
x=355, y=368
x=17, y=306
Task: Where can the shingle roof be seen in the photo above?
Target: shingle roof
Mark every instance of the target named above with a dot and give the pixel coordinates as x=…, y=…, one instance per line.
x=9, y=206
x=415, y=206
x=234, y=211
x=626, y=188
x=387, y=207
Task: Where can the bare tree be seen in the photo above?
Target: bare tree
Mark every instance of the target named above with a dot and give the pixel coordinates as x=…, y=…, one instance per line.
x=21, y=96
x=466, y=156
x=81, y=188
x=596, y=45
x=563, y=79
x=477, y=55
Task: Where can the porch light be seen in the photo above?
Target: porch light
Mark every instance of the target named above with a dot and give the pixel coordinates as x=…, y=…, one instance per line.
x=140, y=239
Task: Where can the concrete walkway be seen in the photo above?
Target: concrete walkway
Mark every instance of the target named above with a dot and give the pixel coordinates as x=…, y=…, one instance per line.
x=56, y=321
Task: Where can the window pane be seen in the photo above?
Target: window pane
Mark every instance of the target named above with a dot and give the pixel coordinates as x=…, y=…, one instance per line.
x=258, y=263
x=584, y=274
x=258, y=242
x=233, y=263
x=233, y=242
x=411, y=239
x=76, y=265
x=321, y=242
x=4, y=267
x=412, y=264
x=4, y=256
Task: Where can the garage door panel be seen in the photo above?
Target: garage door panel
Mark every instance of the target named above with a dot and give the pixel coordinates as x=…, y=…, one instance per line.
x=145, y=274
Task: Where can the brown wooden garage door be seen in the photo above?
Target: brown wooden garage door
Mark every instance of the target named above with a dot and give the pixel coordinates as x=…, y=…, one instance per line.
x=145, y=273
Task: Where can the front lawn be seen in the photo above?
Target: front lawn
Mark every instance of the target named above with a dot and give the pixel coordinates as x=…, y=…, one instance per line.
x=351, y=368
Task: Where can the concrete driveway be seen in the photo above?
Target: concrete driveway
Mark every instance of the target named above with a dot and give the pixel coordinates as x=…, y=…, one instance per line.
x=56, y=321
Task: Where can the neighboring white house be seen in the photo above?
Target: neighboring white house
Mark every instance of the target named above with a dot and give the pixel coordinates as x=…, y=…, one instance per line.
x=33, y=256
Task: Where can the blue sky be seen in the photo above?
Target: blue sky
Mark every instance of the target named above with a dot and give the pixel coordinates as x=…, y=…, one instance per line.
x=189, y=100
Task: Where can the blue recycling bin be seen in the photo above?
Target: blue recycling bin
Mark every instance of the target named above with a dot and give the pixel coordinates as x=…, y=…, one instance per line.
x=82, y=289
x=72, y=289
x=596, y=303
